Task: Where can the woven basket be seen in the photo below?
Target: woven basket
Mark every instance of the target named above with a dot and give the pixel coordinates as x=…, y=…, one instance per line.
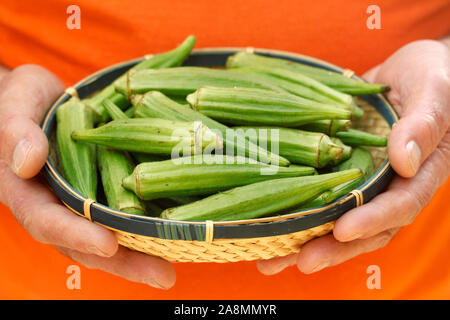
x=231, y=241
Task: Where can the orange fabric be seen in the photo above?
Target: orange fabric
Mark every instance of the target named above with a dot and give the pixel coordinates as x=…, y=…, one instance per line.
x=414, y=265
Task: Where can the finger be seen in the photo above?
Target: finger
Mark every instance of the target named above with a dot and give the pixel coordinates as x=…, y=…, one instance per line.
x=326, y=251
x=402, y=201
x=131, y=265
x=424, y=101
x=3, y=72
x=371, y=75
x=276, y=265
x=41, y=214
x=25, y=95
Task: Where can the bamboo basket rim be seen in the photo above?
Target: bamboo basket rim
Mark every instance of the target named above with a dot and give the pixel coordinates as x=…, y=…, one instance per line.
x=94, y=77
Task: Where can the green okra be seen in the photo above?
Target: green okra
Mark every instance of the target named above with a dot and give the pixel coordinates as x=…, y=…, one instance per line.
x=117, y=114
x=113, y=110
x=179, y=100
x=250, y=106
x=171, y=202
x=182, y=81
x=78, y=159
x=346, y=151
x=299, y=85
x=155, y=136
x=329, y=127
x=115, y=165
x=305, y=87
x=355, y=137
x=141, y=157
x=202, y=174
x=302, y=147
x=261, y=198
x=168, y=59
x=129, y=112
x=332, y=79
x=154, y=104
x=359, y=159
x=153, y=209
x=357, y=111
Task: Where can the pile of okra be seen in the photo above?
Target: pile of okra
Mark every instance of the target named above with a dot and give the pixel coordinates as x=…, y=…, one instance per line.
x=263, y=136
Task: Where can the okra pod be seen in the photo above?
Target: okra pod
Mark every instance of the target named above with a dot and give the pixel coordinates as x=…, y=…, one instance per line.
x=298, y=146
x=141, y=157
x=171, y=202
x=300, y=85
x=155, y=136
x=78, y=159
x=168, y=59
x=129, y=112
x=329, y=78
x=354, y=137
x=202, y=174
x=359, y=159
x=113, y=110
x=115, y=165
x=261, y=198
x=117, y=114
x=182, y=81
x=329, y=127
x=156, y=105
x=305, y=87
x=357, y=111
x=250, y=106
x=346, y=151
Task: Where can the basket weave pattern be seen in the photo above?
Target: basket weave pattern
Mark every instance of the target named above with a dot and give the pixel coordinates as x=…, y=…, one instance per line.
x=223, y=250
x=232, y=250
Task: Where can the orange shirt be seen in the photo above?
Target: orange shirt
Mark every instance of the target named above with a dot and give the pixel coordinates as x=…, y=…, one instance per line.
x=416, y=262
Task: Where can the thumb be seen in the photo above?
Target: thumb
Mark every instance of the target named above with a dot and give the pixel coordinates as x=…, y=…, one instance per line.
x=25, y=95
x=425, y=118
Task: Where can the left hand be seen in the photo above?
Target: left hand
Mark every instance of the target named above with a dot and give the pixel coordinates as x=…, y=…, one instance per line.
x=419, y=151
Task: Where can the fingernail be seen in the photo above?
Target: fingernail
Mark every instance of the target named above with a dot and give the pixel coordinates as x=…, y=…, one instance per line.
x=153, y=283
x=20, y=154
x=320, y=266
x=97, y=251
x=276, y=268
x=414, y=155
x=353, y=237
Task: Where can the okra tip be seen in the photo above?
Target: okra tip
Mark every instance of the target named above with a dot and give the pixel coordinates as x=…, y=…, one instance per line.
x=192, y=99
x=335, y=151
x=129, y=183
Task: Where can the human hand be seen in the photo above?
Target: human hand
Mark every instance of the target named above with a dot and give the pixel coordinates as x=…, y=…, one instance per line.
x=419, y=151
x=25, y=95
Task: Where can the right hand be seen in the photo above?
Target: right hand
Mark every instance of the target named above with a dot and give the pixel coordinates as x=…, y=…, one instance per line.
x=25, y=94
